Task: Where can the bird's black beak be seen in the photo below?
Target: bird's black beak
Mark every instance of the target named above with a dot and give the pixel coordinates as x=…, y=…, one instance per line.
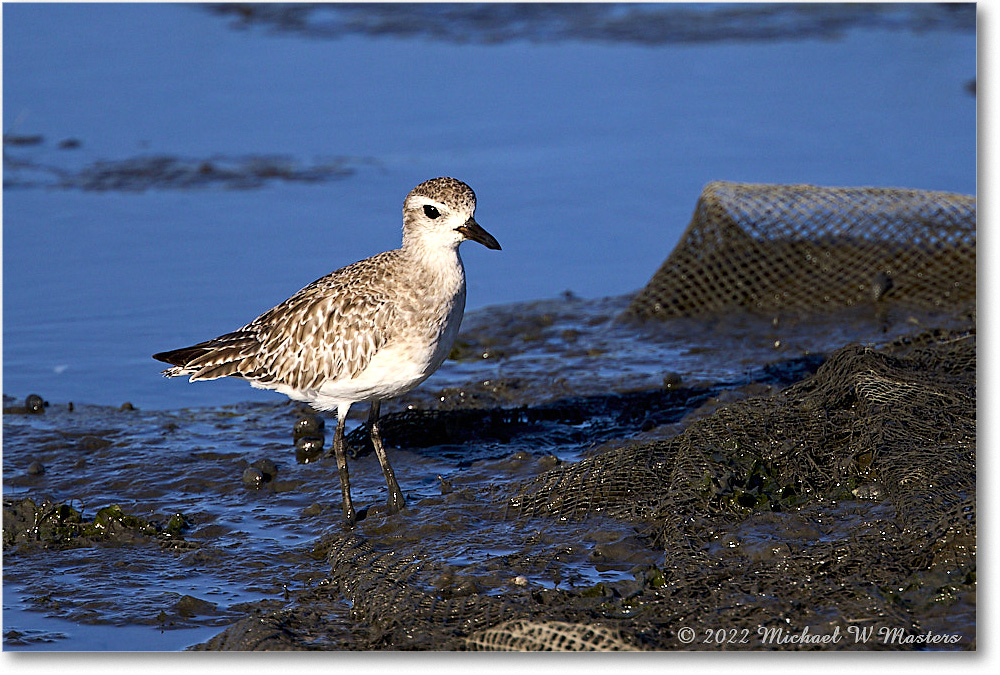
x=474, y=231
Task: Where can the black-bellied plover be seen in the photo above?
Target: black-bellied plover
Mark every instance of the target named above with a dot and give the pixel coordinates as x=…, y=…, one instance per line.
x=367, y=332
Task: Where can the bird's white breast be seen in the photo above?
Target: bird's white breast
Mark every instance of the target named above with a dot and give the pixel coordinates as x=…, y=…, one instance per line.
x=428, y=317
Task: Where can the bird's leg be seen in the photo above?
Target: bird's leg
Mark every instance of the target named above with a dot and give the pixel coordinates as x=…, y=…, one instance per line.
x=396, y=501
x=345, y=480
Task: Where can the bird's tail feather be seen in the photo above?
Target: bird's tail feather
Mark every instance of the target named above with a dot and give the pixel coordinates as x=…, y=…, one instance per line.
x=223, y=356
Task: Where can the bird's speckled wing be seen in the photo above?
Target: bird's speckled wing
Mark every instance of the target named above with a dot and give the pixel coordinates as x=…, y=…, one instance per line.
x=338, y=323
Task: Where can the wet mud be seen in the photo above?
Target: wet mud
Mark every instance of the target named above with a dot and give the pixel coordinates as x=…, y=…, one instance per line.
x=29, y=165
x=612, y=23
x=527, y=463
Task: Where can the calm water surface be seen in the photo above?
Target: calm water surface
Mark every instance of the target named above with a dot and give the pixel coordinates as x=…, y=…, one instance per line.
x=587, y=157
x=189, y=171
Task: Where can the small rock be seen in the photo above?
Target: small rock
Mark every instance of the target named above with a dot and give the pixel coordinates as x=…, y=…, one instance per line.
x=36, y=469
x=266, y=467
x=175, y=524
x=34, y=404
x=126, y=406
x=189, y=606
x=310, y=426
x=450, y=585
x=253, y=478
x=92, y=444
x=672, y=380
x=549, y=461
x=307, y=449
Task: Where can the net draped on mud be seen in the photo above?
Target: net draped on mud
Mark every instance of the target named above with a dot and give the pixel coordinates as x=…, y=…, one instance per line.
x=841, y=503
x=846, y=499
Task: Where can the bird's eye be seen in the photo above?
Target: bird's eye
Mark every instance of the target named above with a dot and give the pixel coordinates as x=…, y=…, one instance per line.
x=431, y=212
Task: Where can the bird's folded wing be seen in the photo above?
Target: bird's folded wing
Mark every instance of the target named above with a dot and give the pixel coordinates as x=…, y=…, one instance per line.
x=312, y=339
x=329, y=330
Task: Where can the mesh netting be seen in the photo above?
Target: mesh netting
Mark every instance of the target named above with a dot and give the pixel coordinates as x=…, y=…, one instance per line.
x=775, y=247
x=896, y=425
x=844, y=500
x=555, y=636
x=903, y=419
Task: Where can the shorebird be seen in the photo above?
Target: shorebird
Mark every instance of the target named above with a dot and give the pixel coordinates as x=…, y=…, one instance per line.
x=367, y=332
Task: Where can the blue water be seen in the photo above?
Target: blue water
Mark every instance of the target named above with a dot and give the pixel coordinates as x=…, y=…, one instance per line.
x=42, y=633
x=587, y=158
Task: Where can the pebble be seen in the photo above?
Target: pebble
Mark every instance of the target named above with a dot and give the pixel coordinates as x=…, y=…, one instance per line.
x=307, y=449
x=309, y=438
x=34, y=404
x=189, y=606
x=92, y=444
x=253, y=478
x=549, y=461
x=309, y=426
x=672, y=380
x=266, y=467
x=36, y=469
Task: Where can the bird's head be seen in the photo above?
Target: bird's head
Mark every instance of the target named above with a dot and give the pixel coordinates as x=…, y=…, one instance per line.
x=440, y=212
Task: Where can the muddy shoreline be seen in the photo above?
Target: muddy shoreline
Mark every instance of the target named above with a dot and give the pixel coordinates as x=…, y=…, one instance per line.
x=199, y=518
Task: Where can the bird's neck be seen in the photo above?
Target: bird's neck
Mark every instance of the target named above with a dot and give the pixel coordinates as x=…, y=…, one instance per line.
x=442, y=264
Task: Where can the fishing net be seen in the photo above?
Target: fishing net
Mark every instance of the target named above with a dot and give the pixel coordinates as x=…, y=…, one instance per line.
x=555, y=636
x=802, y=247
x=847, y=499
x=841, y=501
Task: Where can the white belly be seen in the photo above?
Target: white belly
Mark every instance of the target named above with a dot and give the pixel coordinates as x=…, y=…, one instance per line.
x=392, y=371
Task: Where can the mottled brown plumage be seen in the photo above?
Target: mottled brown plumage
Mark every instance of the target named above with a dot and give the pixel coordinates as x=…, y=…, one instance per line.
x=366, y=332
x=291, y=343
